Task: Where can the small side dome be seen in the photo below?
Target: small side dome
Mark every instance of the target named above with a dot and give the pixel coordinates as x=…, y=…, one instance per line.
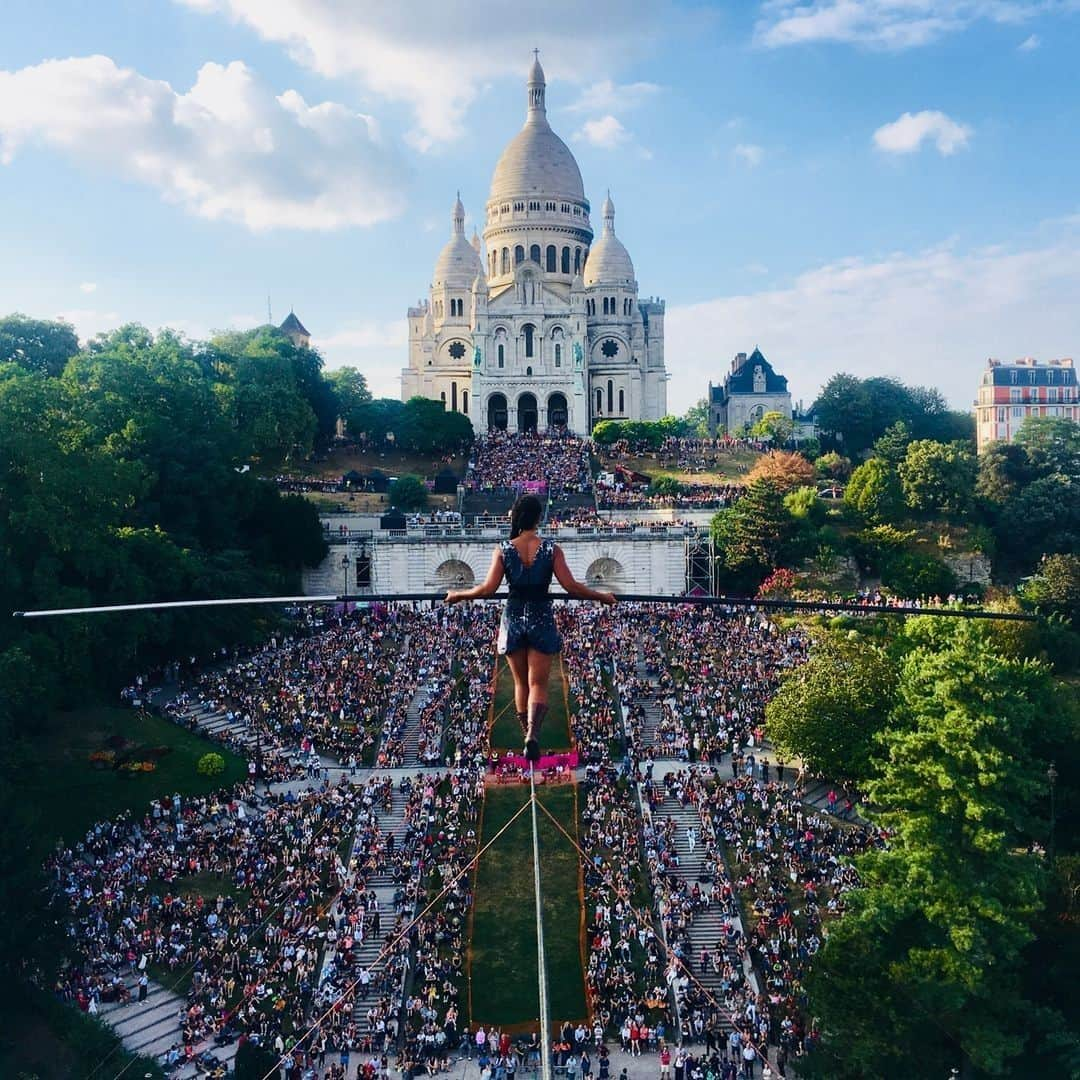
x=609, y=262
x=458, y=262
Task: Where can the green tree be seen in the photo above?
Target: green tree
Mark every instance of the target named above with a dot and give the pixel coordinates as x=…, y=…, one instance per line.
x=1004, y=468
x=1042, y=518
x=922, y=972
x=1056, y=586
x=874, y=490
x=803, y=504
x=40, y=345
x=408, y=493
x=1052, y=444
x=938, y=476
x=353, y=395
x=833, y=466
x=696, y=419
x=775, y=426
x=829, y=710
x=428, y=427
x=376, y=420
x=751, y=535
x=892, y=446
x=911, y=574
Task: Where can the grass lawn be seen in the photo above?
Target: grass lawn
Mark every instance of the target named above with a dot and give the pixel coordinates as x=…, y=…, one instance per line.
x=503, y=970
x=728, y=467
x=505, y=732
x=71, y=793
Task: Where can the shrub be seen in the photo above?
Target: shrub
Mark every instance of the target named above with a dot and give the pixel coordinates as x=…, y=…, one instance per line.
x=833, y=466
x=408, y=493
x=211, y=765
x=784, y=469
x=911, y=574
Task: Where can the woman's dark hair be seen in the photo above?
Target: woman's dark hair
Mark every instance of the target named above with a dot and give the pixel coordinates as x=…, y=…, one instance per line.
x=526, y=514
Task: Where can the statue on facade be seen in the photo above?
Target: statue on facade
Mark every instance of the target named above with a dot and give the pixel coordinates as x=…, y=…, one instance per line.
x=477, y=358
x=579, y=356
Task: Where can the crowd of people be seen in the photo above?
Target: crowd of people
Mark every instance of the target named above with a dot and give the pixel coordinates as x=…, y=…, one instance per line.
x=221, y=898
x=274, y=955
x=504, y=461
x=620, y=496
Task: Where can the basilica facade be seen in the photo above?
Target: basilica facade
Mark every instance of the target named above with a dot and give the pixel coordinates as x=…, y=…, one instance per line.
x=538, y=324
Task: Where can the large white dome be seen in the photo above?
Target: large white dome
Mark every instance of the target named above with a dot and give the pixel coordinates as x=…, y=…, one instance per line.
x=458, y=263
x=536, y=161
x=609, y=262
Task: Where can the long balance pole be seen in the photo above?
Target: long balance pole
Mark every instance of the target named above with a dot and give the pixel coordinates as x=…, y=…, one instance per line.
x=545, y=1011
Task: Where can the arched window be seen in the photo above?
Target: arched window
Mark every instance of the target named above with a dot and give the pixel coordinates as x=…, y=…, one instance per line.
x=465, y=402
x=622, y=404
x=599, y=401
x=577, y=260
x=502, y=356
x=453, y=396
x=528, y=371
x=506, y=261
x=552, y=258
x=610, y=396
x=611, y=304
x=605, y=305
x=558, y=355
x=519, y=255
x=443, y=396
x=534, y=254
x=528, y=339
x=566, y=260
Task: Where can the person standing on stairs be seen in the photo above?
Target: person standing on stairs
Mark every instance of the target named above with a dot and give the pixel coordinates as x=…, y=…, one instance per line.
x=528, y=637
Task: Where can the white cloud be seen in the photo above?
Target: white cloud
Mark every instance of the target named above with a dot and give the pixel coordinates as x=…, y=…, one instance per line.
x=608, y=97
x=749, y=154
x=366, y=335
x=228, y=149
x=907, y=134
x=89, y=322
x=88, y=287
x=376, y=348
x=605, y=132
x=425, y=54
x=930, y=317
x=881, y=24
x=1030, y=43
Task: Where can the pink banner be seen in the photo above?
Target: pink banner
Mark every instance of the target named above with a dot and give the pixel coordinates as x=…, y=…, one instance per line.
x=534, y=487
x=518, y=762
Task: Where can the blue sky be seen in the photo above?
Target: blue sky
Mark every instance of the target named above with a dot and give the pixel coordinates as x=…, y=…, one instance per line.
x=878, y=186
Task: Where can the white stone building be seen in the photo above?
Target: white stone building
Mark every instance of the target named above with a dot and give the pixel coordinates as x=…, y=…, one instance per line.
x=538, y=326
x=750, y=390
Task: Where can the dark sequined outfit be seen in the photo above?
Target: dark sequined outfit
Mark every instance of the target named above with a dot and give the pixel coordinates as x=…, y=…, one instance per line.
x=527, y=618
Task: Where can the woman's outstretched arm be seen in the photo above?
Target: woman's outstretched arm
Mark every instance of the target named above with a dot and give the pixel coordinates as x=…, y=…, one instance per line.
x=489, y=587
x=574, y=587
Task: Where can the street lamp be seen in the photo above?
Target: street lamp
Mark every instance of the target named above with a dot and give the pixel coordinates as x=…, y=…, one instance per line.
x=345, y=567
x=1051, y=775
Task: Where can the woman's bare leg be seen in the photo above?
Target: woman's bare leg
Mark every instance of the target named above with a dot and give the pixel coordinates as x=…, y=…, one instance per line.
x=519, y=668
x=539, y=668
x=539, y=672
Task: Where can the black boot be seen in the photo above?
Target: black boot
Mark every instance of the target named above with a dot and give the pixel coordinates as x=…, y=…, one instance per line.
x=532, y=736
x=523, y=723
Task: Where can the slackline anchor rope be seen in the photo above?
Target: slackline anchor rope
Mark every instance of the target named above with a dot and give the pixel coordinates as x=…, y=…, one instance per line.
x=545, y=1012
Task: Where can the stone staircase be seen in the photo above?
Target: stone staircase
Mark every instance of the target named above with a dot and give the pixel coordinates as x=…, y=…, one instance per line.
x=152, y=1027
x=652, y=714
x=382, y=884
x=705, y=930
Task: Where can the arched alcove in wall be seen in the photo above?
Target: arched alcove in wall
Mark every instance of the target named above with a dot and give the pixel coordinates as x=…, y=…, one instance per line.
x=454, y=574
x=605, y=573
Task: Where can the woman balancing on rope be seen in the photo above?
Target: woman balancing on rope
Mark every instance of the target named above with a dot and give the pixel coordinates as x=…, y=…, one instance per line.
x=528, y=637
